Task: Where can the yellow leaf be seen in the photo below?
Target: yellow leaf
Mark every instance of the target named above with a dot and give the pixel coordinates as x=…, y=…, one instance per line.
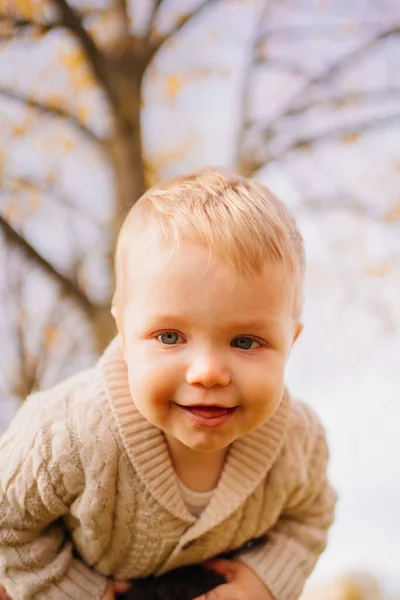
x=83, y=112
x=68, y=144
x=164, y=157
x=28, y=9
x=6, y=29
x=378, y=270
x=72, y=58
x=34, y=202
x=49, y=335
x=75, y=61
x=392, y=214
x=13, y=213
x=18, y=130
x=350, y=137
x=173, y=85
x=55, y=100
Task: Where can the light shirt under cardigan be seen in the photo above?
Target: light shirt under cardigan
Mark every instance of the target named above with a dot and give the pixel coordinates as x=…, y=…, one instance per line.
x=195, y=502
x=88, y=491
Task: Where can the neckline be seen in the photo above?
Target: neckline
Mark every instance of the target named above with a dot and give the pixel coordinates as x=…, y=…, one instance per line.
x=193, y=493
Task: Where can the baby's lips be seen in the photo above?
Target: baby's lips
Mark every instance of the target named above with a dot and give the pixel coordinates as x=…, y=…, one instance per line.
x=209, y=412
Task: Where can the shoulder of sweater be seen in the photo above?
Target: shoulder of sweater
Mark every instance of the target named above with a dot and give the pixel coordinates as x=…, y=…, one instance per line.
x=44, y=428
x=305, y=427
x=55, y=399
x=71, y=407
x=64, y=424
x=302, y=416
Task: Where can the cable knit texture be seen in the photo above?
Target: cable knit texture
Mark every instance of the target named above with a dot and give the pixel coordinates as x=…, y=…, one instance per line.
x=88, y=491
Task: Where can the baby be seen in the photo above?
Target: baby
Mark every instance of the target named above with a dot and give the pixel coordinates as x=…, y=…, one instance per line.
x=182, y=443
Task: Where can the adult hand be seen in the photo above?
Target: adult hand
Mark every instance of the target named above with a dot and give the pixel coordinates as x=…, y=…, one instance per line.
x=114, y=587
x=242, y=582
x=3, y=594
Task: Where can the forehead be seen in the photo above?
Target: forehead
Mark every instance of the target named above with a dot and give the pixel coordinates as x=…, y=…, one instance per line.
x=190, y=279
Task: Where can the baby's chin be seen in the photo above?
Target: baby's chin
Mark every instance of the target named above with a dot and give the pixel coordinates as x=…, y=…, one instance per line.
x=208, y=441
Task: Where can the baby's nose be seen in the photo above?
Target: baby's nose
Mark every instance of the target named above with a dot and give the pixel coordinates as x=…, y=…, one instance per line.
x=208, y=370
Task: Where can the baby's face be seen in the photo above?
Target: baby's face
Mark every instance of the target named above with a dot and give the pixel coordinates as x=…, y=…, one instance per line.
x=205, y=347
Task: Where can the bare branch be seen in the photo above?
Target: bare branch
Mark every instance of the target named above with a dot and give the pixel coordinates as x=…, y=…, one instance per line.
x=339, y=101
x=66, y=284
x=26, y=184
x=96, y=60
x=350, y=58
x=53, y=111
x=348, y=133
x=254, y=59
x=122, y=9
x=157, y=40
x=292, y=105
x=318, y=31
x=12, y=25
x=284, y=65
x=331, y=71
x=153, y=16
x=245, y=99
x=23, y=381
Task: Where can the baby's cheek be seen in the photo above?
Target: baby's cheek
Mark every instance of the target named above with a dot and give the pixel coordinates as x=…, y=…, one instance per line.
x=267, y=384
x=156, y=387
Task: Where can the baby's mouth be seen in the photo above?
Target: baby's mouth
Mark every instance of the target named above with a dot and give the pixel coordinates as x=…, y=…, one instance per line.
x=209, y=412
x=208, y=416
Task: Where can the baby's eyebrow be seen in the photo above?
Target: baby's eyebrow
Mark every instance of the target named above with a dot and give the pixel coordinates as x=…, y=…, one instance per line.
x=253, y=325
x=240, y=326
x=168, y=318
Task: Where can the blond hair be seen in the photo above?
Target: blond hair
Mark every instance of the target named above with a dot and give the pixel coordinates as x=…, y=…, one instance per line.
x=237, y=218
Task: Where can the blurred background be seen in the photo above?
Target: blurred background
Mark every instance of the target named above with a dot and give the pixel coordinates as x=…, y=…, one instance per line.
x=101, y=98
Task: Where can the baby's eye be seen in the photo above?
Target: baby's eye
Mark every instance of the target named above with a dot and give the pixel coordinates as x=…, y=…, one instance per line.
x=245, y=343
x=170, y=338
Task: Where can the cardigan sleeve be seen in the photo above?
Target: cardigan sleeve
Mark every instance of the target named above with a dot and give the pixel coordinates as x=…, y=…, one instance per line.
x=293, y=545
x=40, y=476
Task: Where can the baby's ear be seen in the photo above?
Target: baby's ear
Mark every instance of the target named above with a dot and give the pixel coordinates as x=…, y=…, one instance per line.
x=298, y=331
x=118, y=323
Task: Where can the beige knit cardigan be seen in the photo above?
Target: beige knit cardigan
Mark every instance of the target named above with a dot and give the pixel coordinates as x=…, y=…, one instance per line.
x=88, y=491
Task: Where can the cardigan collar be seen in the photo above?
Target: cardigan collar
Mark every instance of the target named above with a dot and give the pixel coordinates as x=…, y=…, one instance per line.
x=248, y=461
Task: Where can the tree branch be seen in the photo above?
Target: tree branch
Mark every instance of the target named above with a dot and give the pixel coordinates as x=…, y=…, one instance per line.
x=327, y=135
x=72, y=22
x=341, y=101
x=122, y=9
x=349, y=58
x=364, y=98
x=23, y=382
x=295, y=32
x=246, y=85
x=268, y=132
x=153, y=16
x=66, y=285
x=335, y=68
x=53, y=111
x=10, y=184
x=15, y=24
x=157, y=40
